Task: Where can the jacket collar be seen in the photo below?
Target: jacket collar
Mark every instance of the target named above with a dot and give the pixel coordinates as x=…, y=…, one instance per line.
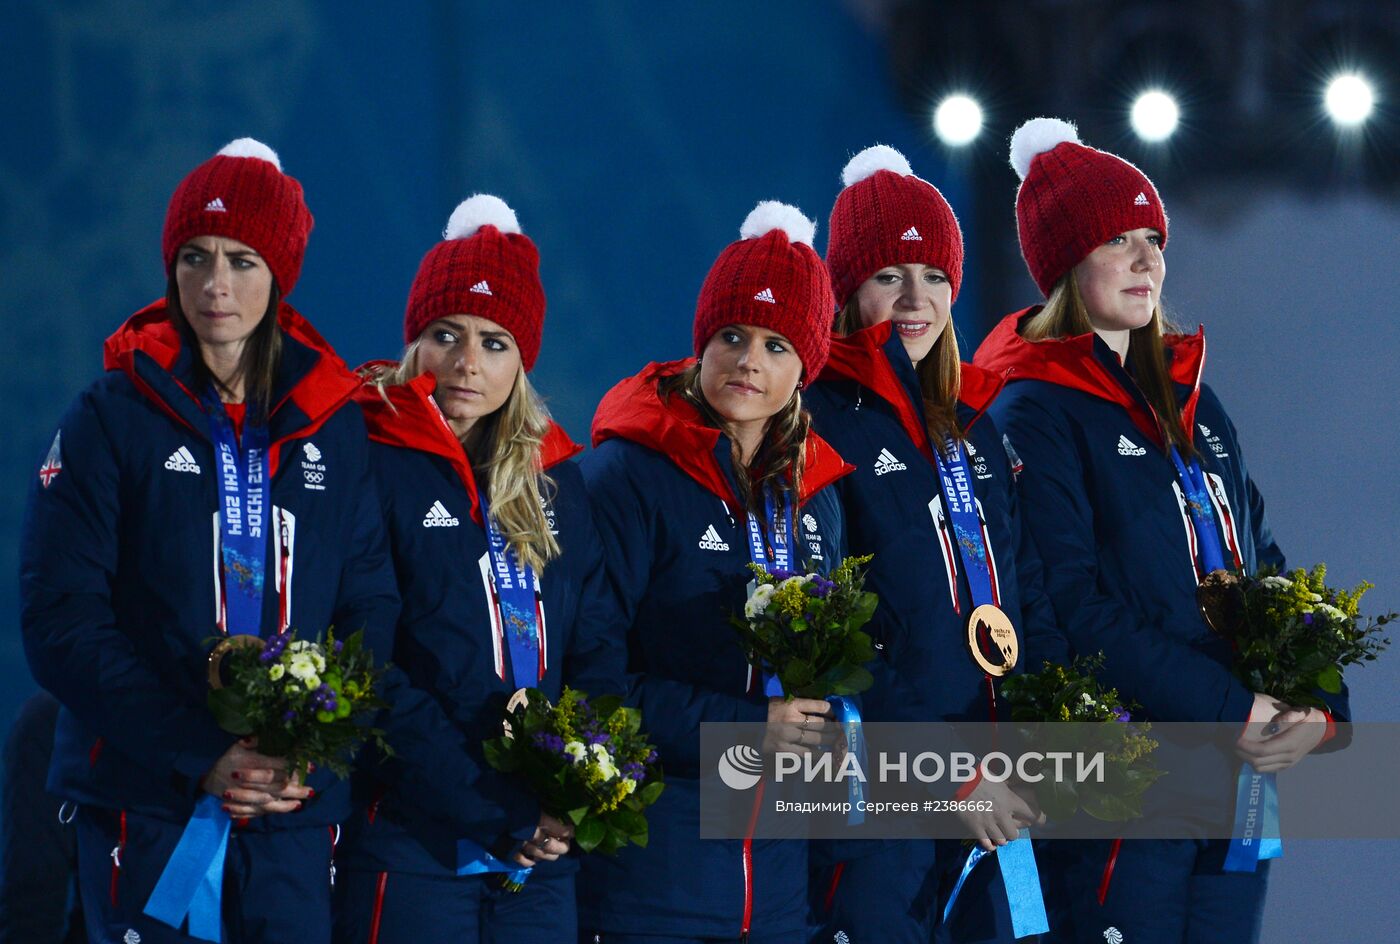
x=875, y=358
x=312, y=381
x=410, y=419
x=1085, y=363
x=634, y=410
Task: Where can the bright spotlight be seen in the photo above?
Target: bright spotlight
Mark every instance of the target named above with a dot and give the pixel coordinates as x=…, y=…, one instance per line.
x=1155, y=116
x=957, y=120
x=1349, y=99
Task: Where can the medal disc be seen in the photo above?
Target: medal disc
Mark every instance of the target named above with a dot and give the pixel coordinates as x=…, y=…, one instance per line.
x=519, y=700
x=225, y=646
x=992, y=640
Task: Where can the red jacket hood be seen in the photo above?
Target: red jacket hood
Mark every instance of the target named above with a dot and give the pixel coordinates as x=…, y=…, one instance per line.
x=410, y=419
x=1071, y=362
x=861, y=357
x=634, y=410
x=318, y=394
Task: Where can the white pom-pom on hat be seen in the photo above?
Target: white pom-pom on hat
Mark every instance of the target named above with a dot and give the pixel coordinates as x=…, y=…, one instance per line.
x=877, y=157
x=1036, y=137
x=251, y=147
x=770, y=215
x=480, y=210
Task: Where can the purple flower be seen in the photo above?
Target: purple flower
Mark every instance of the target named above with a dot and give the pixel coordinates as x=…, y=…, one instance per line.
x=597, y=739
x=821, y=587
x=651, y=758
x=1121, y=715
x=289, y=716
x=1307, y=619
x=267, y=657
x=337, y=647
x=780, y=575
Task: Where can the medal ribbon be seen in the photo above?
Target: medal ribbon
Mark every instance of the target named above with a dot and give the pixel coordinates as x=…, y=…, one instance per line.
x=191, y=885
x=1256, y=832
x=1017, y=858
x=517, y=604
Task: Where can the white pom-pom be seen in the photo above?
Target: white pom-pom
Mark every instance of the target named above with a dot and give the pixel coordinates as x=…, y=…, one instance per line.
x=251, y=147
x=770, y=215
x=478, y=211
x=873, y=158
x=1036, y=137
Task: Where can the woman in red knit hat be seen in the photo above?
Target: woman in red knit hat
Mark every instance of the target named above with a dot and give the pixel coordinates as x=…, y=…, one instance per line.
x=500, y=572
x=214, y=482
x=701, y=467
x=897, y=401
x=1135, y=488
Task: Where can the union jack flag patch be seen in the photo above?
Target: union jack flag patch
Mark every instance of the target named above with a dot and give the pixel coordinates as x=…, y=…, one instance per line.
x=53, y=462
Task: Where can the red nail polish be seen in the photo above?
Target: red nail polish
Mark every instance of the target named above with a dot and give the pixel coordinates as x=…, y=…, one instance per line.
x=243, y=822
x=236, y=775
x=310, y=792
x=228, y=794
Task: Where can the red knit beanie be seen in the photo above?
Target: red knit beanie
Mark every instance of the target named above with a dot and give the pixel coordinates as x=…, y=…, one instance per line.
x=887, y=216
x=1074, y=198
x=241, y=193
x=485, y=266
x=771, y=278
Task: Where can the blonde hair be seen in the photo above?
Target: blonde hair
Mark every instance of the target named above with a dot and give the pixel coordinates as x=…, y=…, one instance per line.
x=1064, y=315
x=939, y=373
x=518, y=488
x=781, y=458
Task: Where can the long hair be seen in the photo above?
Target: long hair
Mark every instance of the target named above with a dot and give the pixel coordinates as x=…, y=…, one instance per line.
x=507, y=458
x=257, y=365
x=1065, y=315
x=939, y=373
x=780, y=460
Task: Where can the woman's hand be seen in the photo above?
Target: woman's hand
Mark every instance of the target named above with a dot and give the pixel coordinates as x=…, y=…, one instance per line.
x=550, y=841
x=1289, y=736
x=1003, y=822
x=253, y=784
x=797, y=726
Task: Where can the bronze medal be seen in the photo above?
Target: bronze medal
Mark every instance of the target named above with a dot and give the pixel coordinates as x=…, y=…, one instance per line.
x=519, y=700
x=225, y=646
x=999, y=653
x=1220, y=596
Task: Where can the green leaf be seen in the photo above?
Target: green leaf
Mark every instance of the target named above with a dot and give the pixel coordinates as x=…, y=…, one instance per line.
x=500, y=754
x=1330, y=680
x=230, y=710
x=651, y=792
x=605, y=705
x=627, y=822
x=590, y=833
x=576, y=816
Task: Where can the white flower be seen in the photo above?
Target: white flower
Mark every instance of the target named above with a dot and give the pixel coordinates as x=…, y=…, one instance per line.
x=1086, y=698
x=291, y=688
x=758, y=601
x=277, y=671
x=1317, y=598
x=1331, y=612
x=302, y=667
x=1276, y=583
x=794, y=581
x=576, y=750
x=604, y=760
x=319, y=660
x=629, y=785
x=299, y=645
x=312, y=682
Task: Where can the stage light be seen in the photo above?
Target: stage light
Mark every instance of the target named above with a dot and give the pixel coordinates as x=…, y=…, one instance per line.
x=1349, y=100
x=957, y=120
x=1155, y=115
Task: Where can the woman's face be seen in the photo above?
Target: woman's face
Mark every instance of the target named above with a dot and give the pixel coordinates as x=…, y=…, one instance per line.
x=224, y=288
x=916, y=297
x=748, y=373
x=1121, y=281
x=475, y=362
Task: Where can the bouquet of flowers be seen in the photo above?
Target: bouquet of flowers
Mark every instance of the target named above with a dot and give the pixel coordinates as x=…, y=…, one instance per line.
x=1292, y=635
x=806, y=629
x=305, y=701
x=587, y=763
x=1060, y=693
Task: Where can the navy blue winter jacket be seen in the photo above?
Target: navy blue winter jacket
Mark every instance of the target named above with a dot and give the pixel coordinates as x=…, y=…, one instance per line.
x=1105, y=507
x=868, y=405
x=119, y=563
x=450, y=645
x=677, y=548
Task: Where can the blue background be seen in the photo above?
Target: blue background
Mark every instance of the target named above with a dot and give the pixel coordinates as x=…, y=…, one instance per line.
x=632, y=139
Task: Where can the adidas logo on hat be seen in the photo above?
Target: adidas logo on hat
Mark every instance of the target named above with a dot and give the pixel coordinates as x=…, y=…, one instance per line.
x=1141, y=199
x=1126, y=447
x=215, y=205
x=766, y=296
x=886, y=462
x=711, y=541
x=481, y=288
x=912, y=233
x=439, y=517
x=181, y=460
